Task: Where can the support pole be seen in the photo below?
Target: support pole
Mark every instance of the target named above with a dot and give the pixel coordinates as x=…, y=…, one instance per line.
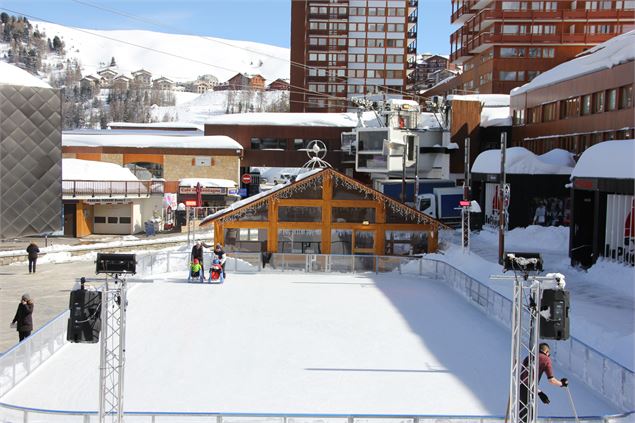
x=501, y=199
x=403, y=175
x=465, y=210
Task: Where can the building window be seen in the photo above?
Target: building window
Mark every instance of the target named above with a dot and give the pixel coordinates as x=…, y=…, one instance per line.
x=548, y=52
x=611, y=99
x=510, y=29
x=512, y=52
x=598, y=102
x=586, y=104
x=100, y=219
x=626, y=97
x=124, y=220
x=532, y=74
x=570, y=108
x=549, y=112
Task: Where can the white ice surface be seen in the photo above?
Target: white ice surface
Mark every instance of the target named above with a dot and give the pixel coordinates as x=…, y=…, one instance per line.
x=602, y=298
x=90, y=170
x=106, y=139
x=609, y=159
x=305, y=343
x=13, y=75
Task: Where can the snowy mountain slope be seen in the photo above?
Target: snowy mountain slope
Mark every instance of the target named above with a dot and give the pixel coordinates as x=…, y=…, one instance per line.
x=197, y=55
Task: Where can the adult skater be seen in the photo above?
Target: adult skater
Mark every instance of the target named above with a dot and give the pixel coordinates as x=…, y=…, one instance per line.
x=221, y=256
x=197, y=252
x=544, y=366
x=23, y=320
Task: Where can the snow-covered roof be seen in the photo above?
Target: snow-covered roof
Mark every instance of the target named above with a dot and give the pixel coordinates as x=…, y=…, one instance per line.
x=177, y=125
x=341, y=120
x=495, y=116
x=74, y=139
x=207, y=183
x=519, y=160
x=12, y=75
x=610, y=53
x=88, y=170
x=488, y=100
x=608, y=159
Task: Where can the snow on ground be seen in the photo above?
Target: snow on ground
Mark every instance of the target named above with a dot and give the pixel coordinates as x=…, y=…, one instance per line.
x=136, y=49
x=13, y=75
x=204, y=106
x=602, y=298
x=304, y=343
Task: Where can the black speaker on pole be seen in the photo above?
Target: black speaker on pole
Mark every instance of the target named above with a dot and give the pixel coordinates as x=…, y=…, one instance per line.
x=116, y=263
x=84, y=322
x=522, y=262
x=554, y=314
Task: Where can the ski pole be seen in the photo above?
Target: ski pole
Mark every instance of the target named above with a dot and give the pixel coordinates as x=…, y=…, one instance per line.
x=575, y=413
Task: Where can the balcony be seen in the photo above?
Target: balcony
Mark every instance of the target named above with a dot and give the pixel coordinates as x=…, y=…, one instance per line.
x=463, y=13
x=412, y=50
x=80, y=189
x=413, y=3
x=413, y=18
x=412, y=34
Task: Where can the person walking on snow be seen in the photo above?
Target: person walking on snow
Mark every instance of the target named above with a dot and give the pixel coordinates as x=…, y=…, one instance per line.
x=33, y=251
x=23, y=320
x=544, y=366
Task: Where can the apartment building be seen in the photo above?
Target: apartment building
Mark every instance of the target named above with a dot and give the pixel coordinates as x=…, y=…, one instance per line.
x=342, y=49
x=505, y=44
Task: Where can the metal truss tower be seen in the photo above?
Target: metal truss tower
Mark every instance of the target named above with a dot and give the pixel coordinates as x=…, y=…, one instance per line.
x=113, y=350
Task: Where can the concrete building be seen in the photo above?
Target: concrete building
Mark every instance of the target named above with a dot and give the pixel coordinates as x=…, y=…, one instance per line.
x=30, y=154
x=579, y=103
x=504, y=44
x=342, y=49
x=158, y=156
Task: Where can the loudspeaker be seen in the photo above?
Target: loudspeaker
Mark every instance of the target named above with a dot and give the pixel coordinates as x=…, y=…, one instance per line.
x=524, y=262
x=554, y=314
x=116, y=263
x=84, y=322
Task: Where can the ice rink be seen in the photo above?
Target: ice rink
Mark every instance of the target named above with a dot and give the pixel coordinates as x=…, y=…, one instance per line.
x=301, y=343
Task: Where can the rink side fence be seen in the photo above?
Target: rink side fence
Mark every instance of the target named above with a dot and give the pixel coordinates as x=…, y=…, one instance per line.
x=602, y=374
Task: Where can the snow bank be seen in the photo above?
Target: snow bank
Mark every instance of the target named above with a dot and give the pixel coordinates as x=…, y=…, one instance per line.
x=519, y=160
x=75, y=139
x=611, y=53
x=608, y=159
x=12, y=75
x=495, y=116
x=88, y=170
x=340, y=120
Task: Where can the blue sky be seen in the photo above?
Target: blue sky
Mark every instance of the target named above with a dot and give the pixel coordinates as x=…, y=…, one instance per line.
x=266, y=21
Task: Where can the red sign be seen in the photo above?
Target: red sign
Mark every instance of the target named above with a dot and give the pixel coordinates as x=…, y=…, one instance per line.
x=190, y=203
x=464, y=203
x=246, y=178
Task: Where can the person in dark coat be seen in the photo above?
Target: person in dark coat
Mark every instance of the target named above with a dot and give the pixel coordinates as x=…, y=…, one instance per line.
x=23, y=319
x=197, y=252
x=32, y=250
x=220, y=255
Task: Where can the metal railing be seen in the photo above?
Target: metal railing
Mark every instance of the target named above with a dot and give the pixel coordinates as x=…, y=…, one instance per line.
x=602, y=374
x=110, y=189
x=21, y=360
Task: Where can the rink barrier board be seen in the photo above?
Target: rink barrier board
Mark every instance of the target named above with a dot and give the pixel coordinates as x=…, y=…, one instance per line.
x=21, y=360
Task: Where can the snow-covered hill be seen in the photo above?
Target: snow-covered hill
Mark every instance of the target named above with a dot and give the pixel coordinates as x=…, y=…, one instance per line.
x=187, y=55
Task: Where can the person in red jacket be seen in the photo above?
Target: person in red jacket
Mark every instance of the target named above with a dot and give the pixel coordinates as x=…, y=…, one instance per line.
x=544, y=366
x=23, y=320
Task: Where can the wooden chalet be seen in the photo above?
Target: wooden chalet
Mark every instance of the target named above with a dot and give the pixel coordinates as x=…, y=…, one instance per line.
x=324, y=212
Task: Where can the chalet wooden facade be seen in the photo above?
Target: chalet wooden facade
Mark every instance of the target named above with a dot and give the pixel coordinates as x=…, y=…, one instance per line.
x=324, y=212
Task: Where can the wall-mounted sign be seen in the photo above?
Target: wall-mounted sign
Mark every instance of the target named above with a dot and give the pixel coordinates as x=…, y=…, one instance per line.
x=202, y=161
x=204, y=190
